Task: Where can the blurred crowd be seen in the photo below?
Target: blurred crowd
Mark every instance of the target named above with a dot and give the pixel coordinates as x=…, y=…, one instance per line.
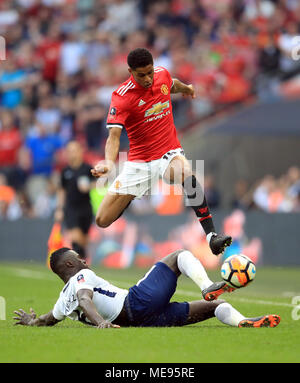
x=65, y=57
x=270, y=194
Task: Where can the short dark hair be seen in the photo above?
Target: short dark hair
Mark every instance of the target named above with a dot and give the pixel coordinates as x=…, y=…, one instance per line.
x=139, y=58
x=56, y=257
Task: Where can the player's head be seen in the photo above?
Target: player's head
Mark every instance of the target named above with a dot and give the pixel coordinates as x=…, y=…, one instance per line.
x=140, y=62
x=65, y=262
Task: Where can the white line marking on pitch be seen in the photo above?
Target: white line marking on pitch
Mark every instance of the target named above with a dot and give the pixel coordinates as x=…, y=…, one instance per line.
x=247, y=300
x=25, y=273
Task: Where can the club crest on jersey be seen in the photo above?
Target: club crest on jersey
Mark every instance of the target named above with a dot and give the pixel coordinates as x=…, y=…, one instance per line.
x=157, y=108
x=164, y=89
x=80, y=278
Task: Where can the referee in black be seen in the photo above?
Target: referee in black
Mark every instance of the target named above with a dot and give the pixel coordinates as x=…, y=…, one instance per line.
x=74, y=208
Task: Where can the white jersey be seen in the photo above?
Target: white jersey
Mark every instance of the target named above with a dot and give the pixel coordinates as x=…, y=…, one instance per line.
x=107, y=298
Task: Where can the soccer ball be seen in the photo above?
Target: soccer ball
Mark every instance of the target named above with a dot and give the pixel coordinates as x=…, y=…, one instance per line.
x=238, y=271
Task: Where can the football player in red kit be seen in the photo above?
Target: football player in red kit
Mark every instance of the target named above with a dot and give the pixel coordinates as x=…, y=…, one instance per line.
x=142, y=105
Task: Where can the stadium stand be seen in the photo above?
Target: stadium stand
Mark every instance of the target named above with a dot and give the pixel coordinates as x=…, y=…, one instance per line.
x=65, y=57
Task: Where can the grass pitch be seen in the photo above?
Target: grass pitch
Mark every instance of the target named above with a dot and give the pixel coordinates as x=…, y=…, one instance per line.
x=33, y=285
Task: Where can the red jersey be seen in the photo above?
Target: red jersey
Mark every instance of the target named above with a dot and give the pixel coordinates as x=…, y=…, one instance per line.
x=10, y=143
x=146, y=113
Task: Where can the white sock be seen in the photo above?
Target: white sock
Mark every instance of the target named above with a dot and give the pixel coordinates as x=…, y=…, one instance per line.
x=190, y=266
x=228, y=315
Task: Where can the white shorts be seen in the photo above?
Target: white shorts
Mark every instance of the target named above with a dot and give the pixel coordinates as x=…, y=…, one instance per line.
x=137, y=178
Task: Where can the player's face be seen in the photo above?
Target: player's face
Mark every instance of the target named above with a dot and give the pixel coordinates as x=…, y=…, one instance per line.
x=79, y=261
x=143, y=76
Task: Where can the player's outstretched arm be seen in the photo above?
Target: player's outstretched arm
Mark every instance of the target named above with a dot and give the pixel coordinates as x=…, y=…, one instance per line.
x=185, y=90
x=85, y=297
x=112, y=147
x=31, y=319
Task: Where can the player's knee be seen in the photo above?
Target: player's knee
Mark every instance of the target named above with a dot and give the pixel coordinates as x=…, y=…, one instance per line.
x=171, y=261
x=183, y=256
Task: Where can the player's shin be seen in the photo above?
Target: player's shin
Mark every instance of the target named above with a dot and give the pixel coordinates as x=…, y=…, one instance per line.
x=192, y=268
x=228, y=315
x=197, y=201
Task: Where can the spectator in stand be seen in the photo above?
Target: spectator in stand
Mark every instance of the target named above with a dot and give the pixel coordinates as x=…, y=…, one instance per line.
x=8, y=16
x=67, y=118
x=122, y=17
x=12, y=80
x=287, y=43
x=48, y=51
x=72, y=53
x=94, y=125
x=45, y=203
x=42, y=147
x=278, y=195
x=48, y=114
x=10, y=140
x=262, y=191
x=269, y=57
x=293, y=176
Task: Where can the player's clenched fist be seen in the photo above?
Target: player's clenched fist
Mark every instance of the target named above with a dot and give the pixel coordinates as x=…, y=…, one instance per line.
x=189, y=91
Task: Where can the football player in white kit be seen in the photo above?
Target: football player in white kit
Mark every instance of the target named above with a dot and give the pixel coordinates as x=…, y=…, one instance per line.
x=94, y=301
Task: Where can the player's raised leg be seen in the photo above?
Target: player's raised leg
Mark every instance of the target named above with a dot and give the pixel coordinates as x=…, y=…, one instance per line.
x=112, y=207
x=179, y=172
x=184, y=262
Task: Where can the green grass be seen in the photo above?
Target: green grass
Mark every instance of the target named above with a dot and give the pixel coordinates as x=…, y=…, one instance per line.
x=33, y=285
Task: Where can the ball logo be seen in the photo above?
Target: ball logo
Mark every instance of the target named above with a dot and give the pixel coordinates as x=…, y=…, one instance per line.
x=164, y=89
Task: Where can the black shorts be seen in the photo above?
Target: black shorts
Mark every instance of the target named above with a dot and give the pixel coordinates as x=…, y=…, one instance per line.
x=74, y=218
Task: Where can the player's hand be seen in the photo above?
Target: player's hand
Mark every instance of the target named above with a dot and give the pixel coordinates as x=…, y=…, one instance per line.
x=23, y=318
x=218, y=243
x=189, y=91
x=102, y=169
x=106, y=324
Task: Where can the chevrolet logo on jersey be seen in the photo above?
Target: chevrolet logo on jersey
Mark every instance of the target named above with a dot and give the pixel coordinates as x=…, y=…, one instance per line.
x=157, y=108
